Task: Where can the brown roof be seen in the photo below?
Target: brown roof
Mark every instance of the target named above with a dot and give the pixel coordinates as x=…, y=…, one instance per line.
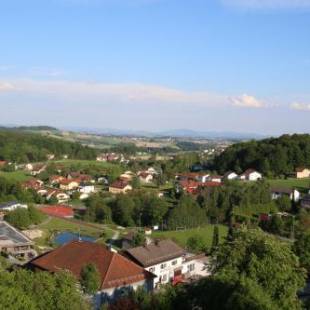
x=282, y=190
x=301, y=169
x=155, y=253
x=119, y=184
x=115, y=270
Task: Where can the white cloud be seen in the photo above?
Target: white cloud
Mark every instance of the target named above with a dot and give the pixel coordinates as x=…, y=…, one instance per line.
x=5, y=86
x=247, y=101
x=300, y=106
x=131, y=93
x=269, y=4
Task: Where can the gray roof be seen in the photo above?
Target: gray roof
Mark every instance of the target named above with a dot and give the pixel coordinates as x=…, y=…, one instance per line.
x=156, y=253
x=11, y=236
x=8, y=204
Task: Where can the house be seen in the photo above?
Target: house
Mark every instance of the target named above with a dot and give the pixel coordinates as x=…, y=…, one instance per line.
x=215, y=178
x=108, y=157
x=60, y=196
x=120, y=187
x=230, y=175
x=127, y=176
x=62, y=211
x=85, y=178
x=168, y=261
x=145, y=177
x=56, y=179
x=86, y=188
x=305, y=202
x=250, y=175
x=12, y=205
x=163, y=258
x=69, y=184
x=203, y=177
x=152, y=171
x=118, y=274
x=188, y=186
x=14, y=242
x=50, y=156
x=3, y=163
x=37, y=169
x=293, y=194
x=301, y=173
x=34, y=184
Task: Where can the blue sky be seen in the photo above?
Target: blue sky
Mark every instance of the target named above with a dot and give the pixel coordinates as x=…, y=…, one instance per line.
x=213, y=65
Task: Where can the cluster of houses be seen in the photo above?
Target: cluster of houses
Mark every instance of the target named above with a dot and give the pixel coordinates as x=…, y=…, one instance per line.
x=193, y=182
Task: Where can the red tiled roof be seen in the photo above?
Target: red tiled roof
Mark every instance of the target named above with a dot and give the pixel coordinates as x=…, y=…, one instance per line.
x=58, y=210
x=115, y=270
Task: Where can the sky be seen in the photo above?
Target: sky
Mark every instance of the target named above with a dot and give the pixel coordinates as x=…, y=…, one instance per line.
x=154, y=65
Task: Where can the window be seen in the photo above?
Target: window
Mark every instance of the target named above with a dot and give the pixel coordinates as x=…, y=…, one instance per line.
x=191, y=267
x=152, y=269
x=164, y=278
x=174, y=262
x=163, y=266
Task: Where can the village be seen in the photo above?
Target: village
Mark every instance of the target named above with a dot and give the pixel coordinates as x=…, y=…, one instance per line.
x=126, y=256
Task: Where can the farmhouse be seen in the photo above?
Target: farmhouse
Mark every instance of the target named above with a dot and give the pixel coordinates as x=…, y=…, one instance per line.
x=14, y=242
x=302, y=173
x=293, y=194
x=117, y=273
x=250, y=175
x=120, y=187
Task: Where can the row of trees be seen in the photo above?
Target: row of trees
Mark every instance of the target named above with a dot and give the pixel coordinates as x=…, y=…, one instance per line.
x=273, y=157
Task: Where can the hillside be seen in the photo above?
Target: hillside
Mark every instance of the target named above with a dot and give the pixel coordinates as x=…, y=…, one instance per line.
x=274, y=156
x=20, y=147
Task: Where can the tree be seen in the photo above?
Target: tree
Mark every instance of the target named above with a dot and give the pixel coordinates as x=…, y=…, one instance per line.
x=216, y=238
x=267, y=263
x=302, y=249
x=90, y=278
x=22, y=289
x=18, y=218
x=138, y=239
x=284, y=203
x=196, y=243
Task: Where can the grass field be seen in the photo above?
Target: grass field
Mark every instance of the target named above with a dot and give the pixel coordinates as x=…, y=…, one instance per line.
x=300, y=184
x=54, y=225
x=69, y=162
x=181, y=237
x=18, y=176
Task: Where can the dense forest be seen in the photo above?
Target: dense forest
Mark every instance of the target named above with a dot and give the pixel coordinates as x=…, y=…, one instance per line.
x=21, y=147
x=272, y=157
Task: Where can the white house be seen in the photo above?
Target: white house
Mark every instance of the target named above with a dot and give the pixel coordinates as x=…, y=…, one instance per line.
x=86, y=189
x=215, y=178
x=293, y=194
x=230, y=175
x=168, y=261
x=250, y=175
x=145, y=177
x=12, y=205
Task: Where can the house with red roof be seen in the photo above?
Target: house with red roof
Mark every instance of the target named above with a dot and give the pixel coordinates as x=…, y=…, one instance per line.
x=120, y=187
x=118, y=274
x=69, y=184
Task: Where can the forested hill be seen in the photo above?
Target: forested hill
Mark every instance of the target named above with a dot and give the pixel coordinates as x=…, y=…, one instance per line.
x=21, y=147
x=273, y=156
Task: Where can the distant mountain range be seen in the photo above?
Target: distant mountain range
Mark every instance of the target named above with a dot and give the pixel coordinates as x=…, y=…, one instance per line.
x=177, y=133
x=174, y=133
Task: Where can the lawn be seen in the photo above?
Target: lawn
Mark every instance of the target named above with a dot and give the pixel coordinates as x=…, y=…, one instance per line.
x=70, y=162
x=55, y=225
x=182, y=236
x=16, y=176
x=300, y=184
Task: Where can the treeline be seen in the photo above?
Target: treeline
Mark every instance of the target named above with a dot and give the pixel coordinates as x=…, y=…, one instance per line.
x=272, y=157
x=12, y=190
x=21, y=147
